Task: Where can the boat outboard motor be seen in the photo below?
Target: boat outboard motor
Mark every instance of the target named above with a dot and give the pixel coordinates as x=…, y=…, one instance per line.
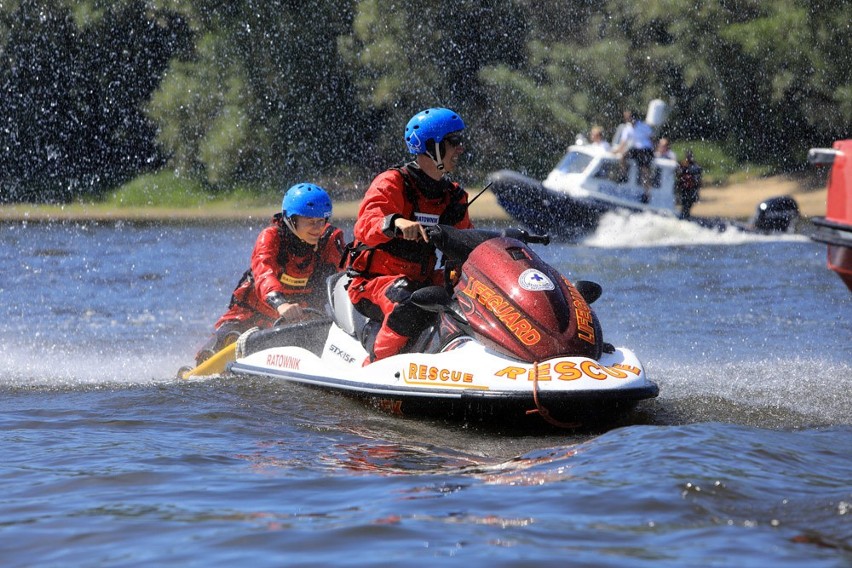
x=775, y=214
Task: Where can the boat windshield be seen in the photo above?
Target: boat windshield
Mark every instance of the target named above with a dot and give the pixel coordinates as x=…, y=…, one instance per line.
x=574, y=163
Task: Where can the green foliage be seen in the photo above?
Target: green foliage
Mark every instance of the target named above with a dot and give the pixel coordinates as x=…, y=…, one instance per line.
x=161, y=189
x=257, y=94
x=406, y=57
x=168, y=189
x=533, y=137
x=264, y=99
x=75, y=76
x=719, y=166
x=203, y=123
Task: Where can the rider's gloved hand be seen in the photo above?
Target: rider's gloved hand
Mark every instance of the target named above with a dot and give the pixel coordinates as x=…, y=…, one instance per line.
x=291, y=312
x=410, y=230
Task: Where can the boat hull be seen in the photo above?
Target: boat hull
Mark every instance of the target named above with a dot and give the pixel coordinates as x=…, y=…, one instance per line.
x=589, y=182
x=544, y=210
x=835, y=229
x=838, y=239
x=573, y=218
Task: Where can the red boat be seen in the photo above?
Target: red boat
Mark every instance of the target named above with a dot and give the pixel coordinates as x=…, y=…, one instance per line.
x=835, y=229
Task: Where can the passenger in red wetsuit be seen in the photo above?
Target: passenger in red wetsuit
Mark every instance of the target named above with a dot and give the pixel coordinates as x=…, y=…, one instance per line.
x=291, y=260
x=392, y=256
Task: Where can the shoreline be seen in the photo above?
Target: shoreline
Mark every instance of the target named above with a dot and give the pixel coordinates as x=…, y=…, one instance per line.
x=738, y=201
x=735, y=202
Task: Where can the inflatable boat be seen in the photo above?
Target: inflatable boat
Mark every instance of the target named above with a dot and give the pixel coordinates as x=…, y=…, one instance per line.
x=590, y=181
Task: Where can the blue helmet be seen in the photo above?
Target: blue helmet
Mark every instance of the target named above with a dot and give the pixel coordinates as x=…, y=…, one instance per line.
x=430, y=124
x=306, y=200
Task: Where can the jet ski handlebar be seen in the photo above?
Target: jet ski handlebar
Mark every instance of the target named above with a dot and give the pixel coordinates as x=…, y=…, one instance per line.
x=458, y=243
x=526, y=237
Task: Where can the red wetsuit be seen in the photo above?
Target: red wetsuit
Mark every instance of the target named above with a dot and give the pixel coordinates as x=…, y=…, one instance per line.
x=283, y=263
x=284, y=268
x=389, y=268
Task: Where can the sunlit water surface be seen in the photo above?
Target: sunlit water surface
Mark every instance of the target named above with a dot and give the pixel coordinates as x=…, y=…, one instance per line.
x=108, y=460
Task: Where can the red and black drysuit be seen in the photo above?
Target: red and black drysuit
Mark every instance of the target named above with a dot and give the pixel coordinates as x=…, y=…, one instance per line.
x=284, y=269
x=386, y=269
x=688, y=185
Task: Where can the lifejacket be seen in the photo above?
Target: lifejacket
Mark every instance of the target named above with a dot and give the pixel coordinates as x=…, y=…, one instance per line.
x=413, y=259
x=688, y=177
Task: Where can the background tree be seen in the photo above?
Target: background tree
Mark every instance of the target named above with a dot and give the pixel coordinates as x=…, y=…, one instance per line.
x=789, y=80
x=40, y=81
x=265, y=100
x=406, y=57
x=264, y=93
x=71, y=111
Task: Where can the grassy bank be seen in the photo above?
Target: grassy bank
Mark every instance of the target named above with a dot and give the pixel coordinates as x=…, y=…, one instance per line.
x=165, y=189
x=731, y=190
x=733, y=201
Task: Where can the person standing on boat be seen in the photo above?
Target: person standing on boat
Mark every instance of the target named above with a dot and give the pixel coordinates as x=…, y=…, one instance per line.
x=688, y=184
x=636, y=143
x=596, y=138
x=392, y=256
x=291, y=259
x=664, y=150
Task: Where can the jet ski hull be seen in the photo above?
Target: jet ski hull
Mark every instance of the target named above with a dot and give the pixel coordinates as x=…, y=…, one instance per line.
x=468, y=382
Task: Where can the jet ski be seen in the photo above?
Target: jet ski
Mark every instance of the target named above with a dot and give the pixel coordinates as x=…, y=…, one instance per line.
x=512, y=341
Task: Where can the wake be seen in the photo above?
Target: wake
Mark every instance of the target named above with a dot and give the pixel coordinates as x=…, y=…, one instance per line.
x=634, y=230
x=73, y=365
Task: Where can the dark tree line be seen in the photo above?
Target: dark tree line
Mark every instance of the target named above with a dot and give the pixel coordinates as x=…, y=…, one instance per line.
x=73, y=106
x=267, y=92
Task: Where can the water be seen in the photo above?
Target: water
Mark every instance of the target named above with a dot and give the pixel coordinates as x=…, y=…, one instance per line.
x=108, y=460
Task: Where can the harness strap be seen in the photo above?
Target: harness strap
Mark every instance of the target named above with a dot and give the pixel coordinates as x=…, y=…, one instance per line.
x=408, y=251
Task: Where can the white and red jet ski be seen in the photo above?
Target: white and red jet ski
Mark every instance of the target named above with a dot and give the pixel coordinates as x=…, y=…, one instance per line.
x=513, y=341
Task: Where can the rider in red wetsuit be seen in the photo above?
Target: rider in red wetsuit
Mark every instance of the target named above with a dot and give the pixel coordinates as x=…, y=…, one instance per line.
x=291, y=260
x=392, y=256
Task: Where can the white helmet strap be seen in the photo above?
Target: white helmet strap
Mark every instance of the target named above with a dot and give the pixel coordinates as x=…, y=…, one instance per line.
x=437, y=157
x=289, y=223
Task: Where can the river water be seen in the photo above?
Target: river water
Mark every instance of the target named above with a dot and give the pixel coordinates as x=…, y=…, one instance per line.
x=108, y=460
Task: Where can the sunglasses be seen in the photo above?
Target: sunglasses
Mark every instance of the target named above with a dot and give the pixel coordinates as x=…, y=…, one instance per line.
x=454, y=139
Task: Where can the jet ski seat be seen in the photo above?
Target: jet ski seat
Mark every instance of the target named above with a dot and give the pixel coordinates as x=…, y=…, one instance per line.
x=344, y=313
x=364, y=329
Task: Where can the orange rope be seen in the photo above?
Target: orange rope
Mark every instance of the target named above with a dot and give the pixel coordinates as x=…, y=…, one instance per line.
x=541, y=410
